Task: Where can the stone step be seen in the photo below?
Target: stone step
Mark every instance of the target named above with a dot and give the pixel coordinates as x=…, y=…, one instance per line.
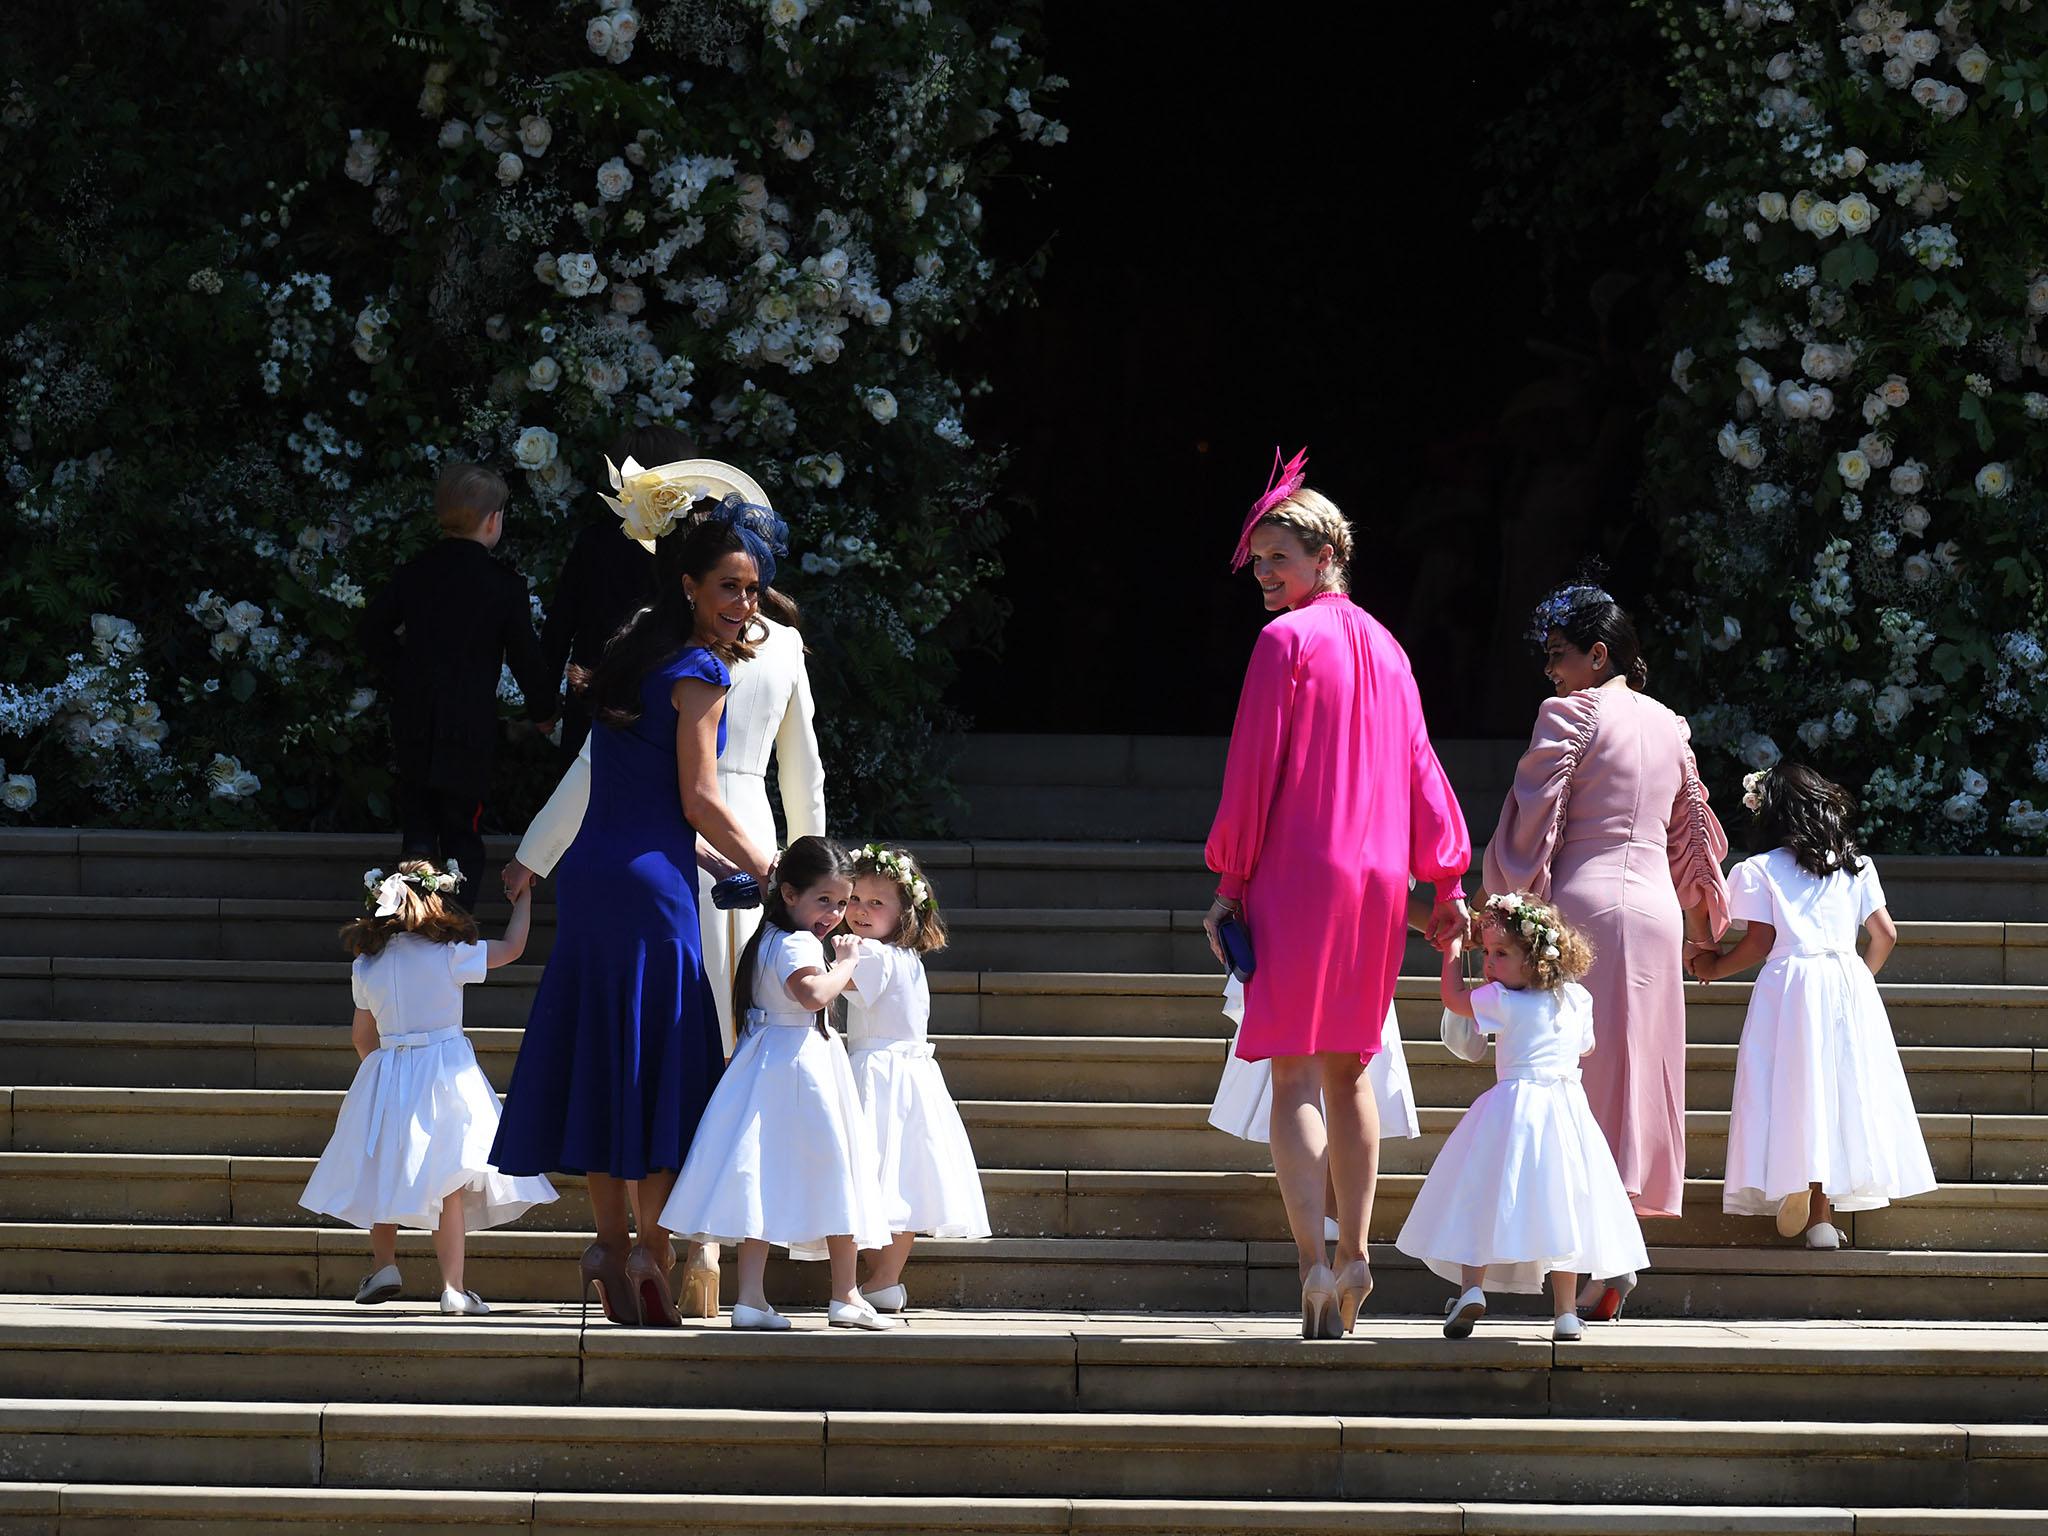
x=1089, y=1068
x=1006, y=1133
x=224, y=1351
x=115, y=1509
x=995, y=872
x=983, y=938
x=1910, y=1464
x=1164, y=1004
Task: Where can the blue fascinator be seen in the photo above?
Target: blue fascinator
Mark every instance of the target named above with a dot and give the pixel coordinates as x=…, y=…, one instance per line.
x=765, y=535
x=1562, y=606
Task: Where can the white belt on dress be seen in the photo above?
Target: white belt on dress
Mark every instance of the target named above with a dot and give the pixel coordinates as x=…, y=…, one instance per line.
x=399, y=1054
x=921, y=1050
x=1818, y=952
x=1532, y=1075
x=761, y=1018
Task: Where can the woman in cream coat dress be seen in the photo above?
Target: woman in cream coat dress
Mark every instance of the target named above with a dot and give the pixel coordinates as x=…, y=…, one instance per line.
x=768, y=711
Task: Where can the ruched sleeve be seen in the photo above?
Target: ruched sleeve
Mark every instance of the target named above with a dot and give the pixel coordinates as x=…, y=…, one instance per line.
x=1696, y=845
x=1439, y=843
x=1251, y=772
x=1532, y=818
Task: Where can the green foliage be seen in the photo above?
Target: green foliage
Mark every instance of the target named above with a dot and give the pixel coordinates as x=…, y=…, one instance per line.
x=266, y=272
x=1851, y=462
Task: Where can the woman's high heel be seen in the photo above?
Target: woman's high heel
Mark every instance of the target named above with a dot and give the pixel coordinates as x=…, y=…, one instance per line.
x=603, y=1269
x=1354, y=1284
x=700, y=1284
x=1609, y=1297
x=1319, y=1305
x=650, y=1290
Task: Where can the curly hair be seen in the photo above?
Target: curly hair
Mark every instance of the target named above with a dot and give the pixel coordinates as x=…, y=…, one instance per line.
x=1547, y=972
x=1812, y=816
x=921, y=928
x=426, y=913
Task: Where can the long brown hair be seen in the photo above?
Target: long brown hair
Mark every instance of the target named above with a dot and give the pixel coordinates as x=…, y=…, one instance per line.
x=804, y=863
x=423, y=912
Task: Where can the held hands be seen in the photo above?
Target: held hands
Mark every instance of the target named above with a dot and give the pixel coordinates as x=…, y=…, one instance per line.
x=1449, y=922
x=518, y=880
x=1703, y=960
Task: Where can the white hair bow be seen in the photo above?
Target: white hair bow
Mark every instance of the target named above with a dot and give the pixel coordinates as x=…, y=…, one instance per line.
x=391, y=896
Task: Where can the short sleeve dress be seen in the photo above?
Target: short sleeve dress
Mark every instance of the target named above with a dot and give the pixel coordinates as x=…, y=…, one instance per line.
x=622, y=1049
x=1820, y=1094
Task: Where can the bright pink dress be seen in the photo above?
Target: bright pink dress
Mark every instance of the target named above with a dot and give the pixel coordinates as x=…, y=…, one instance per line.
x=1332, y=798
x=1609, y=821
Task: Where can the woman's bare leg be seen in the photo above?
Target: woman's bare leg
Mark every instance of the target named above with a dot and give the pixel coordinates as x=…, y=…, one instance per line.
x=1351, y=1118
x=1301, y=1153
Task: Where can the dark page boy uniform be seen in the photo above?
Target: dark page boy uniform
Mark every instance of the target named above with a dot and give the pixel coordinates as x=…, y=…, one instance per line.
x=439, y=635
x=605, y=581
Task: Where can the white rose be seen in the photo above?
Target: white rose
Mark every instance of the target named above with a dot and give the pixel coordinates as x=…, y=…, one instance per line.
x=628, y=298
x=614, y=179
x=1796, y=403
x=1758, y=751
x=833, y=264
x=243, y=617
x=798, y=146
x=1749, y=449
x=1917, y=569
x=1914, y=518
x=18, y=792
x=599, y=35
x=1974, y=783
x=1853, y=161
x=881, y=404
x=1992, y=480
x=510, y=168
x=879, y=311
x=535, y=135
x=1823, y=402
x=1898, y=73
x=1877, y=451
x=1961, y=808
x=1780, y=66
x=543, y=374
x=535, y=448
x=360, y=164
x=1909, y=479
x=1824, y=218
x=1800, y=207
x=361, y=700
x=603, y=375
x=1813, y=734
x=620, y=50
x=625, y=26
x=1894, y=392
x=2037, y=296
x=1855, y=213
x=1922, y=47
x=1973, y=64
x=433, y=100
x=490, y=132
x=1820, y=361
x=454, y=133
x=1771, y=205
x=914, y=201
x=244, y=785
x=1853, y=468
x=225, y=644
x=546, y=269
x=1926, y=90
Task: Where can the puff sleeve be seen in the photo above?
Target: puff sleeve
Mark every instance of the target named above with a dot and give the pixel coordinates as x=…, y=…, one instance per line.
x=1695, y=844
x=1749, y=893
x=1533, y=816
x=468, y=963
x=1466, y=1038
x=1251, y=771
x=1869, y=893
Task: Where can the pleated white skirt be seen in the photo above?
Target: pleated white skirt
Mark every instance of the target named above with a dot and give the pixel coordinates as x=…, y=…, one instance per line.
x=415, y=1127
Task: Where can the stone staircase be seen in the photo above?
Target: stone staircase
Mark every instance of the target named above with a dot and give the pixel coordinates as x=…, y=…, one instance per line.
x=178, y=1352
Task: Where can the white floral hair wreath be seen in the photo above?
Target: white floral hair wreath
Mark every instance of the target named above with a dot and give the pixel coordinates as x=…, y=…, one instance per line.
x=893, y=864
x=385, y=894
x=1753, y=790
x=1522, y=915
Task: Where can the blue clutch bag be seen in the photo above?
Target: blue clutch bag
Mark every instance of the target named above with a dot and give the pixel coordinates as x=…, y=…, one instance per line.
x=740, y=890
x=1237, y=947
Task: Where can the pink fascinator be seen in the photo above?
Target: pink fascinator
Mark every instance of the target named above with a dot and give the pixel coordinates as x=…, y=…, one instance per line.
x=1280, y=485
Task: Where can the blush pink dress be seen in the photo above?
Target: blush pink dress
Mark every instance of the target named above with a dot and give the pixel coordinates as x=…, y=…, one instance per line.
x=1332, y=798
x=1609, y=821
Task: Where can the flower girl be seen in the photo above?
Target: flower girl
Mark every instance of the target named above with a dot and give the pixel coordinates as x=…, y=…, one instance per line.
x=1823, y=1120
x=412, y=1144
x=783, y=1153
x=929, y=1181
x=1525, y=1186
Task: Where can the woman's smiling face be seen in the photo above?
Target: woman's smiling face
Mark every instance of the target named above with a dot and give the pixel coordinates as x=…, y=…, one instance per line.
x=1287, y=573
x=726, y=598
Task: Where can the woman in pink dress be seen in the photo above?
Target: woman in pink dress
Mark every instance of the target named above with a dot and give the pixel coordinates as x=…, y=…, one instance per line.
x=1609, y=821
x=1332, y=798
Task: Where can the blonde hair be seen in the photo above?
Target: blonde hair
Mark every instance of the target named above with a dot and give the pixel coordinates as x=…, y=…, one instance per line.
x=426, y=913
x=1315, y=520
x=467, y=494
x=1574, y=951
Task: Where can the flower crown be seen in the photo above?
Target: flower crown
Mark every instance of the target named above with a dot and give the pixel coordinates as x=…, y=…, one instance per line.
x=385, y=894
x=1525, y=917
x=899, y=869
x=1753, y=790
x=1556, y=610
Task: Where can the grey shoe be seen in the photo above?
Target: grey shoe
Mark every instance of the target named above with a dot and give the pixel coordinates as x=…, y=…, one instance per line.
x=385, y=1285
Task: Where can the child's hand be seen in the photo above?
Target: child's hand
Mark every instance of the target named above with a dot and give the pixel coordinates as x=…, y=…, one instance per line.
x=845, y=946
x=523, y=902
x=1705, y=965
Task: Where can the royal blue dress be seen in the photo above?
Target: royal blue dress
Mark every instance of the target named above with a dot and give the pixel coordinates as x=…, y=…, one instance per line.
x=622, y=1049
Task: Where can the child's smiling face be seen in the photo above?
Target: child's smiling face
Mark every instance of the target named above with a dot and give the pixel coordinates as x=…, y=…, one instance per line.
x=876, y=910
x=818, y=908
x=1505, y=961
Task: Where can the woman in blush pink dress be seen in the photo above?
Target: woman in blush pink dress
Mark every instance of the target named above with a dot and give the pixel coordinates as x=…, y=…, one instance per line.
x=1332, y=798
x=1608, y=820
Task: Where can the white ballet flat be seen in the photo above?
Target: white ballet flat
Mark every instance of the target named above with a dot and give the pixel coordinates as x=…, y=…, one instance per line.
x=1567, y=1327
x=765, y=1319
x=1826, y=1236
x=384, y=1285
x=890, y=1298
x=1464, y=1312
x=467, y=1303
x=844, y=1314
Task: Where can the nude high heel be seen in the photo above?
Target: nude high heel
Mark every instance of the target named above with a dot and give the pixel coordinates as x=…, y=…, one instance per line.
x=700, y=1284
x=603, y=1270
x=651, y=1296
x=1319, y=1318
x=1354, y=1284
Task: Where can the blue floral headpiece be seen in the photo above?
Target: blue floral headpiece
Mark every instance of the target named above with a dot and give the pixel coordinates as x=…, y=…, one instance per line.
x=765, y=535
x=1556, y=611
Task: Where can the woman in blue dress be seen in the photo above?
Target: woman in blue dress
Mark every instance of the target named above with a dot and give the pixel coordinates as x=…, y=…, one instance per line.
x=622, y=1049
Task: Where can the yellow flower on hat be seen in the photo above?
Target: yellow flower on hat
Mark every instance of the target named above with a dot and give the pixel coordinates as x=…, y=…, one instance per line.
x=648, y=501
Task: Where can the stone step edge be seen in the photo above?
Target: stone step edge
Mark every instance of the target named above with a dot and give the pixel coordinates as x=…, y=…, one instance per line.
x=772, y=1513
x=1252, y=1253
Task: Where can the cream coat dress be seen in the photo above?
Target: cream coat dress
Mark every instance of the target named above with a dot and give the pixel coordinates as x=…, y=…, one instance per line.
x=767, y=712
